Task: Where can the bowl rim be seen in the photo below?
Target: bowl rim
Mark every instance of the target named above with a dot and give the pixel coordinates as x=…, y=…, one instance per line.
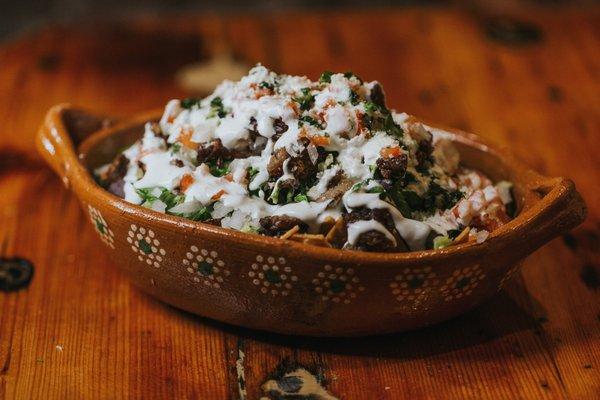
x=77, y=175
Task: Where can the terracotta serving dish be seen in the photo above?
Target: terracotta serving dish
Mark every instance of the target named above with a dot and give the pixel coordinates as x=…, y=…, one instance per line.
x=282, y=286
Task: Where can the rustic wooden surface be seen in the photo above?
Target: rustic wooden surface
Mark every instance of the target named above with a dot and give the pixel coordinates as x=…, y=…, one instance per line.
x=81, y=331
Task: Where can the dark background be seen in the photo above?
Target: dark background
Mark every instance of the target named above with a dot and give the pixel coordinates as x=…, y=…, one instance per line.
x=19, y=15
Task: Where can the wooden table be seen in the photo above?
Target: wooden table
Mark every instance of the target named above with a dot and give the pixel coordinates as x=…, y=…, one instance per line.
x=80, y=330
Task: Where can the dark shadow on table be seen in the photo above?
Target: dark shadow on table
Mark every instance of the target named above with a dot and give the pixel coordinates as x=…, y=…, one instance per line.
x=496, y=318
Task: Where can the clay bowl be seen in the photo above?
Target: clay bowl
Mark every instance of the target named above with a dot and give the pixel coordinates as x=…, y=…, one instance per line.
x=286, y=287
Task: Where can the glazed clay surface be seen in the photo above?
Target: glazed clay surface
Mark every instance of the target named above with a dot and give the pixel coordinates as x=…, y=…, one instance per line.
x=270, y=284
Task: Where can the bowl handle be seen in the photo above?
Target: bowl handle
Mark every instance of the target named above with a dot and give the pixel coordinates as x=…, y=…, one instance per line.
x=64, y=127
x=559, y=209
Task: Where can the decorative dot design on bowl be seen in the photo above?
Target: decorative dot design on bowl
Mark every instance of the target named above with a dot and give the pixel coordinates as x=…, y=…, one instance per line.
x=339, y=285
x=272, y=275
x=511, y=272
x=462, y=282
x=205, y=266
x=145, y=244
x=413, y=286
x=101, y=227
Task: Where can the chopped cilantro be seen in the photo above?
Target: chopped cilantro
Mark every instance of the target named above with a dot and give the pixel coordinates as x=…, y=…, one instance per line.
x=190, y=102
x=305, y=100
x=176, y=148
x=171, y=199
x=371, y=107
x=392, y=127
x=376, y=189
x=438, y=197
x=217, y=170
x=326, y=77
x=266, y=85
x=358, y=185
x=150, y=195
x=216, y=102
x=311, y=121
x=146, y=194
x=286, y=195
x=354, y=97
x=217, y=108
x=397, y=196
x=202, y=214
x=414, y=201
x=380, y=119
x=252, y=172
x=350, y=74
x=453, y=233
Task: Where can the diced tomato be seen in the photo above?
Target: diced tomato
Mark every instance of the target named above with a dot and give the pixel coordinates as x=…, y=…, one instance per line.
x=360, y=126
x=302, y=133
x=262, y=92
x=186, y=139
x=328, y=104
x=186, y=181
x=294, y=106
x=487, y=224
x=228, y=177
x=218, y=195
x=320, y=140
x=390, y=152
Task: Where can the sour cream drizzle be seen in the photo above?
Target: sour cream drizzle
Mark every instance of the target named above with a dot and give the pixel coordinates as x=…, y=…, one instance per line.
x=357, y=228
x=413, y=232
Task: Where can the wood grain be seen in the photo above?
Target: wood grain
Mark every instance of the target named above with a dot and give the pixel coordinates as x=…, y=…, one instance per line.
x=81, y=331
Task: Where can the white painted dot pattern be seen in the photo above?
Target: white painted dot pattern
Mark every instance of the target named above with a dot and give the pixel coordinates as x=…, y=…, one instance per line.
x=413, y=287
x=272, y=275
x=462, y=282
x=205, y=266
x=337, y=284
x=101, y=227
x=144, y=243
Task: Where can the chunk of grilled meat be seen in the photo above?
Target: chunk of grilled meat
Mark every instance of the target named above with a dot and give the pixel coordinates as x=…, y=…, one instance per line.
x=375, y=240
x=301, y=166
x=392, y=167
x=214, y=151
x=276, y=225
x=112, y=179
